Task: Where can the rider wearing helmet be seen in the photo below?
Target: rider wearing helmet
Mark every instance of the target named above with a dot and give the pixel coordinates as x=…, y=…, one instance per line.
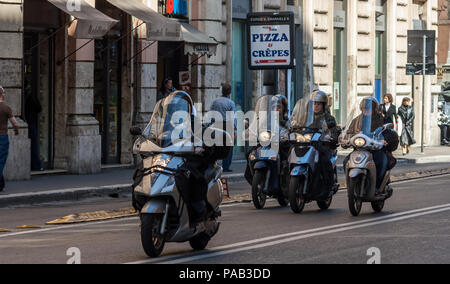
x=383, y=158
x=321, y=115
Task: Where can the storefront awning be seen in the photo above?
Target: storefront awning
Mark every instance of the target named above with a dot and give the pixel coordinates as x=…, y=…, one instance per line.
x=159, y=28
x=197, y=42
x=90, y=23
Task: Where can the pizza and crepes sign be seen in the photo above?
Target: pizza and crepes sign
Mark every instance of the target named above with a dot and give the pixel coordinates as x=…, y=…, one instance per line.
x=271, y=40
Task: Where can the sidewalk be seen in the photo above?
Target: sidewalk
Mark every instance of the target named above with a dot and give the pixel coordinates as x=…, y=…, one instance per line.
x=115, y=182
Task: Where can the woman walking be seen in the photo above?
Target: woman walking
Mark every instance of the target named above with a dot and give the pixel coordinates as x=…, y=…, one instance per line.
x=406, y=113
x=389, y=110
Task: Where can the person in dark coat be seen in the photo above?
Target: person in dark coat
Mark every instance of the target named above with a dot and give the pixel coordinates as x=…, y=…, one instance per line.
x=406, y=113
x=389, y=110
x=166, y=89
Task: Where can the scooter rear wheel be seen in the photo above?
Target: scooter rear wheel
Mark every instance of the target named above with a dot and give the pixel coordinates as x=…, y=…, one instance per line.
x=378, y=206
x=325, y=205
x=296, y=198
x=199, y=242
x=258, y=185
x=152, y=240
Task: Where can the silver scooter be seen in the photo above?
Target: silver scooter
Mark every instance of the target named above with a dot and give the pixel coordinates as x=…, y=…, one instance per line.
x=303, y=161
x=163, y=211
x=361, y=172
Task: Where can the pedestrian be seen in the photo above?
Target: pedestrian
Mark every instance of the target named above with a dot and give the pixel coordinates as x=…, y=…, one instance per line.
x=166, y=89
x=5, y=115
x=444, y=124
x=406, y=113
x=225, y=105
x=389, y=110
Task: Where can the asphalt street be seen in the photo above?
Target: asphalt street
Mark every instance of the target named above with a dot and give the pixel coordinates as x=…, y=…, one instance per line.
x=413, y=228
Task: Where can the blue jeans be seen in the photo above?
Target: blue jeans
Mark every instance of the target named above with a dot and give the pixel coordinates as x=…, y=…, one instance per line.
x=226, y=164
x=381, y=163
x=4, y=149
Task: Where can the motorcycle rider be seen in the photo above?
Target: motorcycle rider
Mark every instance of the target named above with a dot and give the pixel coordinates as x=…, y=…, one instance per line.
x=190, y=179
x=324, y=120
x=383, y=159
x=281, y=106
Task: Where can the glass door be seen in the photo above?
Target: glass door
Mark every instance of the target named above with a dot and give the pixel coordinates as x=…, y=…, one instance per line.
x=107, y=96
x=38, y=76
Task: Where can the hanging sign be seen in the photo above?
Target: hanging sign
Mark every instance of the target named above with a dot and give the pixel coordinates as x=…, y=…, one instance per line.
x=271, y=40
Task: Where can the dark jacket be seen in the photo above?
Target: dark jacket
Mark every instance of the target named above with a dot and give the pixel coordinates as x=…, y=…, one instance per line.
x=390, y=115
x=407, y=116
x=334, y=130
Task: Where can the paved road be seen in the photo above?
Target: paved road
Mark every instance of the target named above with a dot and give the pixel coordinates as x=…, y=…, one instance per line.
x=414, y=228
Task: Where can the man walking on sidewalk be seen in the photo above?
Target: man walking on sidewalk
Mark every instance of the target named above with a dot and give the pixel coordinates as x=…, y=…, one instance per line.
x=5, y=115
x=225, y=105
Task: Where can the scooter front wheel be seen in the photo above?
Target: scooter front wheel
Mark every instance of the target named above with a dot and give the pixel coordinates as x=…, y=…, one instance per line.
x=152, y=240
x=296, y=197
x=258, y=185
x=354, y=203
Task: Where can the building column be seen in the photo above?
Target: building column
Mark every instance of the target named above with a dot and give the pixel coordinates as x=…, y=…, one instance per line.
x=308, y=47
x=352, y=51
x=432, y=131
x=83, y=142
x=391, y=19
x=18, y=165
x=126, y=156
x=323, y=44
x=147, y=82
x=209, y=73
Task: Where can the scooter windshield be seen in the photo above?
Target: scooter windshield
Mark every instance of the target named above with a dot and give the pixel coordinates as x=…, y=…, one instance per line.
x=169, y=129
x=266, y=121
x=364, y=119
x=305, y=116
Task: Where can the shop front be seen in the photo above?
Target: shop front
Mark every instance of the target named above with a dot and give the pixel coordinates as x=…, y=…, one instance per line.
x=38, y=79
x=108, y=84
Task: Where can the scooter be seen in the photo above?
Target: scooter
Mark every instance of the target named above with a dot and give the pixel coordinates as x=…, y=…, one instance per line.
x=305, y=185
x=361, y=173
x=270, y=176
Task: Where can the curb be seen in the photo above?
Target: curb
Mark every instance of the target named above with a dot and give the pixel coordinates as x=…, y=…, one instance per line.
x=76, y=194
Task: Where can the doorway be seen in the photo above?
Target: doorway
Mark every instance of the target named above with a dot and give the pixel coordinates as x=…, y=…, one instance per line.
x=171, y=61
x=38, y=80
x=107, y=96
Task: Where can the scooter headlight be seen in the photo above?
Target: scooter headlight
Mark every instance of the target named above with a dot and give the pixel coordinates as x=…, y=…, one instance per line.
x=360, y=142
x=308, y=138
x=264, y=136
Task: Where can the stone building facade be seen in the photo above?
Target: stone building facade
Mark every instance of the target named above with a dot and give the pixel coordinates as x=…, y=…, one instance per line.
x=352, y=49
x=92, y=90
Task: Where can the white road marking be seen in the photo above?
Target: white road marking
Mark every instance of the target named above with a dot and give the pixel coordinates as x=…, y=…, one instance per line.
x=226, y=252
x=63, y=227
x=367, y=222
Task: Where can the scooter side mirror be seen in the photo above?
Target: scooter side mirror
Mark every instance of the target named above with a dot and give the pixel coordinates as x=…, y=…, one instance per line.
x=135, y=131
